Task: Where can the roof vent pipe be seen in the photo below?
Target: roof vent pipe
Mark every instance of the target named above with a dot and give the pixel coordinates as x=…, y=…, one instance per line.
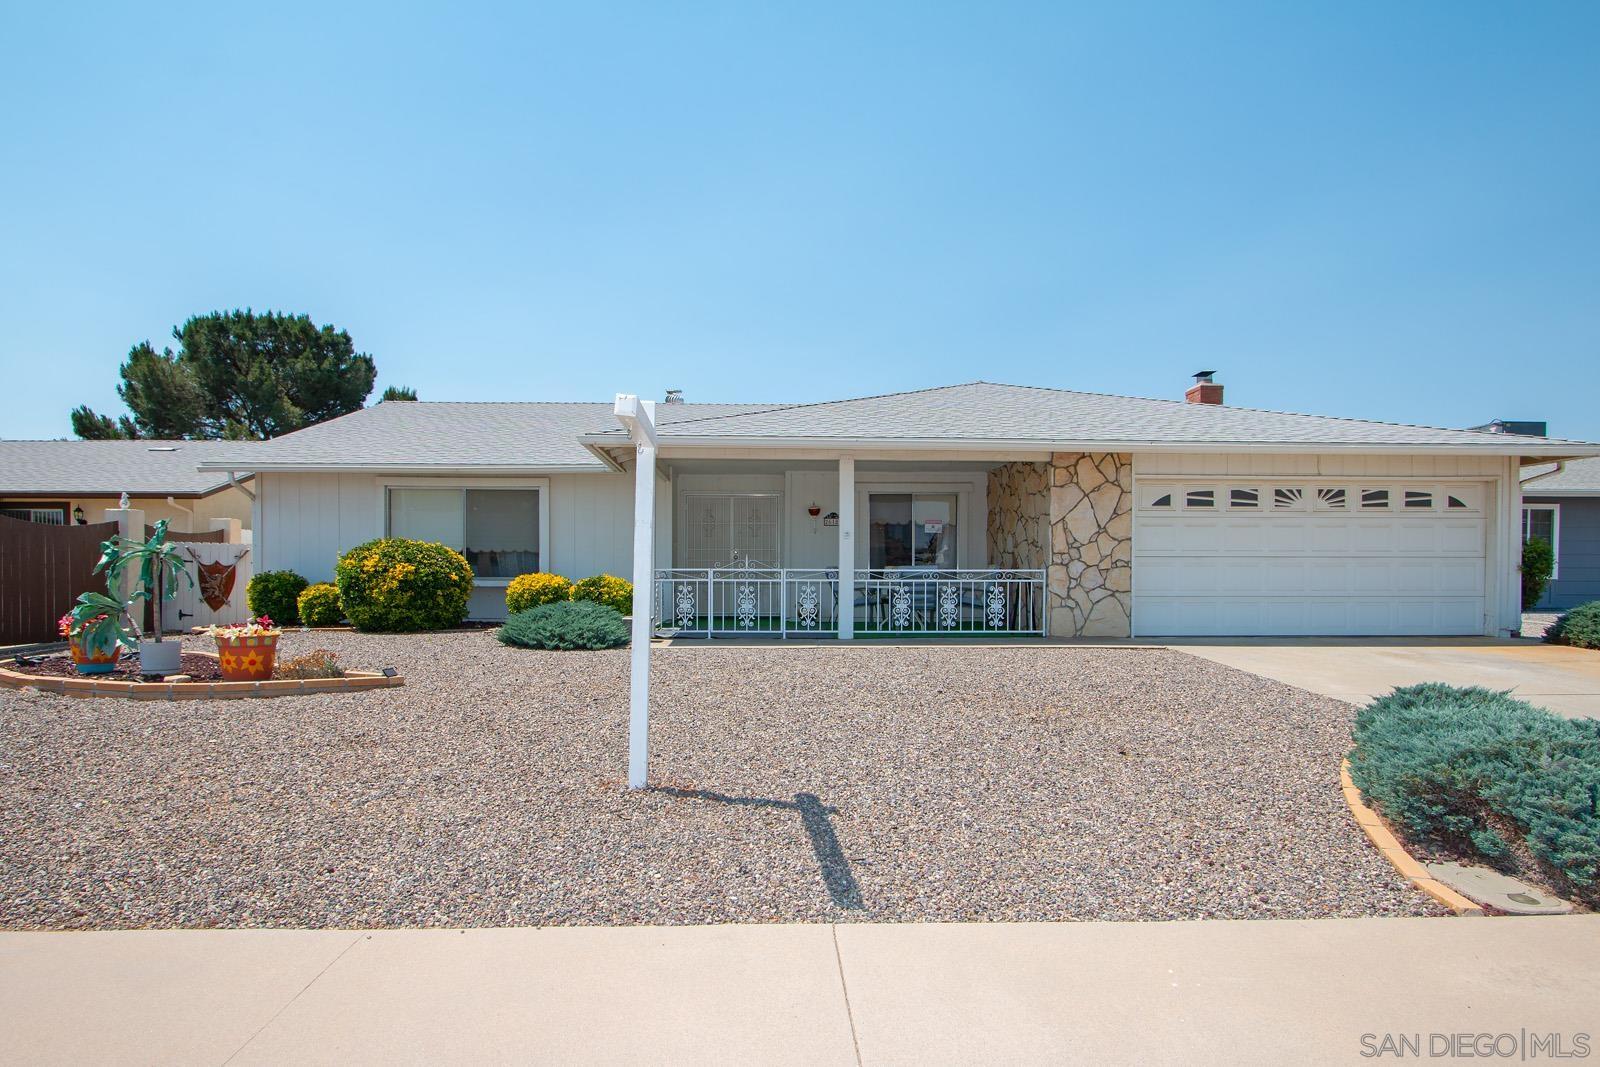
x=674, y=396
x=1204, y=390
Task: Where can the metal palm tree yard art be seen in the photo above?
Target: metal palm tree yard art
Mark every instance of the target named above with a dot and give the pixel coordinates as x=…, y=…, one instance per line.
x=107, y=620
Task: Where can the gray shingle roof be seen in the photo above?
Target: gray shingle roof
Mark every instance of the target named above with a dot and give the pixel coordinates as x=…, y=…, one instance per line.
x=107, y=468
x=450, y=435
x=505, y=436
x=985, y=411
x=1578, y=476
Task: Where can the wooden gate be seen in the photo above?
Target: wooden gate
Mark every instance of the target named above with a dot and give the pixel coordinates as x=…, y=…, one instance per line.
x=220, y=573
x=43, y=568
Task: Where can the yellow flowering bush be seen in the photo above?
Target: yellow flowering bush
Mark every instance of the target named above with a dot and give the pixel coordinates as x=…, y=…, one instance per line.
x=394, y=585
x=606, y=589
x=319, y=605
x=530, y=590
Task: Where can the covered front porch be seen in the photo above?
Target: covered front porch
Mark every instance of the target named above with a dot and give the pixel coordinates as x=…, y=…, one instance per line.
x=869, y=545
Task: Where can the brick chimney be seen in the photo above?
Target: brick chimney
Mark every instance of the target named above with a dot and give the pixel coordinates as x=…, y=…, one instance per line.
x=1204, y=390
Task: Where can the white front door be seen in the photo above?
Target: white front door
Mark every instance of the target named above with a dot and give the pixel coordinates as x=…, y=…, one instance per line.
x=1292, y=556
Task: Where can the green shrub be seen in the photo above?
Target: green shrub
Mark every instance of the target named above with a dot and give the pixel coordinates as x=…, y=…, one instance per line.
x=606, y=589
x=565, y=625
x=1538, y=561
x=273, y=594
x=1465, y=767
x=530, y=590
x=319, y=605
x=393, y=585
x=1579, y=627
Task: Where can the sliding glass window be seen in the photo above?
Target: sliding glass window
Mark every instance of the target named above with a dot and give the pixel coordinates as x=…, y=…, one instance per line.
x=496, y=529
x=912, y=530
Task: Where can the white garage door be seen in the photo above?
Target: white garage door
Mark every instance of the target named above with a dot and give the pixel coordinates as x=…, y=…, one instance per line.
x=1296, y=556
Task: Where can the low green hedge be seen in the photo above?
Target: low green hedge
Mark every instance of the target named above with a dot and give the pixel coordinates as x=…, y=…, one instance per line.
x=1579, y=627
x=274, y=594
x=319, y=605
x=394, y=585
x=1466, y=767
x=576, y=624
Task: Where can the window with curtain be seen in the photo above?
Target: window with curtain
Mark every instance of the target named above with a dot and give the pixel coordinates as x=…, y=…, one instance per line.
x=1541, y=521
x=496, y=529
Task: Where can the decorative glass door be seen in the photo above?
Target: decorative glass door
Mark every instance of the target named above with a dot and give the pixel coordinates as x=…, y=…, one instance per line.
x=730, y=529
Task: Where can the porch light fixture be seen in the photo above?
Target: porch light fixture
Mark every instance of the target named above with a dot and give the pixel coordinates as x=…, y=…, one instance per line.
x=814, y=510
x=77, y=516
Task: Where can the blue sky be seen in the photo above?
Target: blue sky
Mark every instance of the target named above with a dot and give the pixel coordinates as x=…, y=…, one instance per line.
x=1378, y=210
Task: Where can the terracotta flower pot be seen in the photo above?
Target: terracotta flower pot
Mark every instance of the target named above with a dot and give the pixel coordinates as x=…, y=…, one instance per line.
x=96, y=655
x=246, y=659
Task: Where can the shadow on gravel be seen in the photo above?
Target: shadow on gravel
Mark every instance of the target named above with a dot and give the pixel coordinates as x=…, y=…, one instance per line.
x=842, y=887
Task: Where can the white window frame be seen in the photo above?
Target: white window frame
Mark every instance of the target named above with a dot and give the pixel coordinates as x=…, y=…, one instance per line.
x=542, y=485
x=1555, y=533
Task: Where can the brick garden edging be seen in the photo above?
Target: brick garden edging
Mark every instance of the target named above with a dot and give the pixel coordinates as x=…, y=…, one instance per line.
x=1389, y=846
x=89, y=686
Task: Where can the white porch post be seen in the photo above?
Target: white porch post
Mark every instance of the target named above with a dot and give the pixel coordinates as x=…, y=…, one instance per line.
x=639, y=417
x=847, y=548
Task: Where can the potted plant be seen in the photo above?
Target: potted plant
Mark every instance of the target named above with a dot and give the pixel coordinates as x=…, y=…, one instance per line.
x=100, y=625
x=246, y=650
x=92, y=642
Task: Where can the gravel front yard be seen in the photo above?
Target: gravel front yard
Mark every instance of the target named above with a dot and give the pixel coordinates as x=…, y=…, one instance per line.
x=795, y=784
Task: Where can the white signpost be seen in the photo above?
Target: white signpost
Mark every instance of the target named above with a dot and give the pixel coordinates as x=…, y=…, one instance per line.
x=638, y=417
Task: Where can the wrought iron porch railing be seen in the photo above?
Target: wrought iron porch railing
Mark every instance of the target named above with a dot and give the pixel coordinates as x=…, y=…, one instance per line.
x=750, y=601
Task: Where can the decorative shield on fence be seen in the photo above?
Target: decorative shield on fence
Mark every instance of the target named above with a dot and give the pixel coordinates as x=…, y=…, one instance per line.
x=216, y=582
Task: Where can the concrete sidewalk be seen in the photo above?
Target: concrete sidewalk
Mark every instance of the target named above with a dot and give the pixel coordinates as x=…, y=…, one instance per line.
x=1195, y=992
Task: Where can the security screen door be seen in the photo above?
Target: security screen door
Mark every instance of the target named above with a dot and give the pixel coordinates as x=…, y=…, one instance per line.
x=721, y=529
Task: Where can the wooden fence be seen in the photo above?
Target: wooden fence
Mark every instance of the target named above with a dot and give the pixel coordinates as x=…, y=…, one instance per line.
x=43, y=568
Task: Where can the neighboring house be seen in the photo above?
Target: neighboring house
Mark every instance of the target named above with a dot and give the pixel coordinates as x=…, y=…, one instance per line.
x=65, y=482
x=1562, y=505
x=970, y=508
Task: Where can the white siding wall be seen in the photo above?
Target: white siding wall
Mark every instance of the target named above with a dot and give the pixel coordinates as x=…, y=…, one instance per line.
x=307, y=520
x=810, y=543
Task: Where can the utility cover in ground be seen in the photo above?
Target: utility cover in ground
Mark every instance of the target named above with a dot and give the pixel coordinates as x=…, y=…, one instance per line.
x=1497, y=890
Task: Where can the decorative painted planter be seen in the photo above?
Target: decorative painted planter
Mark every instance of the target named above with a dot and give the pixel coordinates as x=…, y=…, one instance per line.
x=246, y=659
x=97, y=655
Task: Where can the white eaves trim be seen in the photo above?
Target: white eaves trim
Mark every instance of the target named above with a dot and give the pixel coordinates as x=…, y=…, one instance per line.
x=424, y=469
x=821, y=445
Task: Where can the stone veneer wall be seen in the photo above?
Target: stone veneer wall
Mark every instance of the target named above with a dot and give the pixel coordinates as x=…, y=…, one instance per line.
x=1019, y=515
x=1090, y=572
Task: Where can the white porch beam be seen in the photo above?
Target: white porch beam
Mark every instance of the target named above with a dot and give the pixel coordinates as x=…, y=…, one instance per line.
x=847, y=548
x=638, y=417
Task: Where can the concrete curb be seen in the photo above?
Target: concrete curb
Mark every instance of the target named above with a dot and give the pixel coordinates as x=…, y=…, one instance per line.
x=92, y=686
x=1391, y=849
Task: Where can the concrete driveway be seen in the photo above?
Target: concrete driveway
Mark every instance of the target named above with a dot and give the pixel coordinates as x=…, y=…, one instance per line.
x=1565, y=680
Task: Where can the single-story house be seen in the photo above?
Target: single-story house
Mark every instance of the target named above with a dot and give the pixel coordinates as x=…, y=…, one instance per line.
x=1562, y=505
x=77, y=482
x=974, y=508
